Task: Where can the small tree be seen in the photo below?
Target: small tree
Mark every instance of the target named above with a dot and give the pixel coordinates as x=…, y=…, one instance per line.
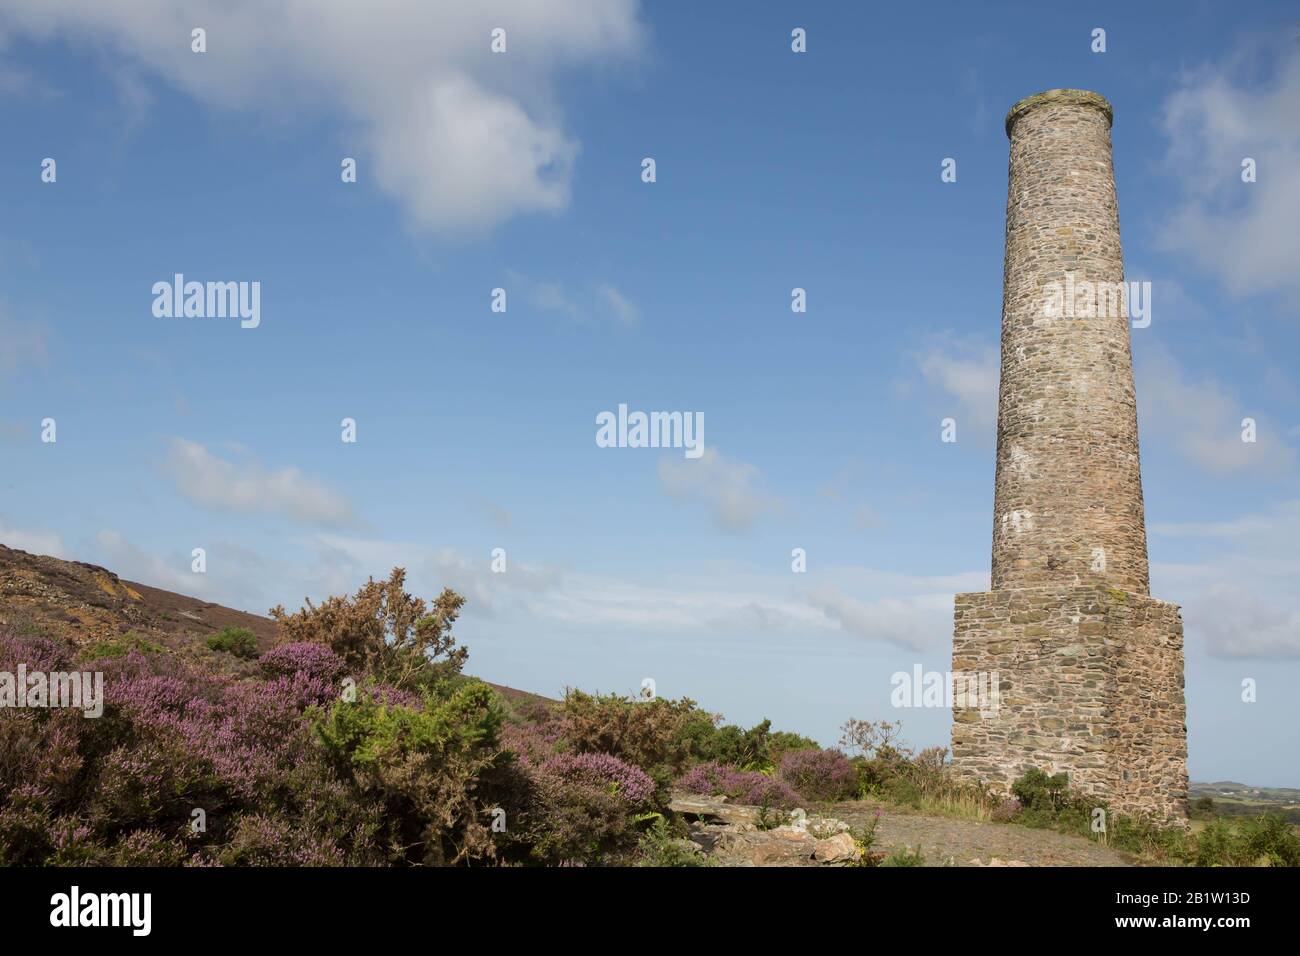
x=383, y=631
x=866, y=737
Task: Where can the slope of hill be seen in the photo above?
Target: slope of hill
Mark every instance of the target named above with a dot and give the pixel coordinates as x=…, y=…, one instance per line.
x=83, y=603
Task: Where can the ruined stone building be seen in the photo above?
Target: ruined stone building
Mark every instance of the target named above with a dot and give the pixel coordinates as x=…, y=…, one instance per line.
x=1089, y=666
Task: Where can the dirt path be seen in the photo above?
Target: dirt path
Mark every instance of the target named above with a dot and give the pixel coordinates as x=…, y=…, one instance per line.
x=941, y=839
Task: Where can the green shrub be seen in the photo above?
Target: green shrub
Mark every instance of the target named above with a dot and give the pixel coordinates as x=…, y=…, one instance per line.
x=662, y=845
x=758, y=748
x=119, y=646
x=1037, y=791
x=423, y=765
x=239, y=641
x=769, y=817
x=1214, y=844
x=1268, y=838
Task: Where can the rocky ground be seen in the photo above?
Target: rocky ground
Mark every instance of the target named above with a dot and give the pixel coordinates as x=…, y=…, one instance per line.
x=85, y=603
x=730, y=835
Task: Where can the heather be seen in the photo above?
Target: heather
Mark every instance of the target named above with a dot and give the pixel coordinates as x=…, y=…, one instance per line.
x=820, y=775
x=742, y=786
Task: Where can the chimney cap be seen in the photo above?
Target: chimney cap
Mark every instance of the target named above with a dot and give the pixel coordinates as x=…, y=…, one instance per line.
x=1071, y=97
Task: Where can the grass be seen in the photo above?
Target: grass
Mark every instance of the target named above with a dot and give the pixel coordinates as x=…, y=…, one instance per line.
x=119, y=646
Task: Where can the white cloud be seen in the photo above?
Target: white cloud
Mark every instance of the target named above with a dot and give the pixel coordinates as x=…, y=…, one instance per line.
x=1244, y=234
x=905, y=610
x=916, y=622
x=596, y=304
x=463, y=137
x=431, y=569
x=968, y=373
x=1243, y=603
x=1237, y=623
x=623, y=311
x=1204, y=421
x=18, y=83
x=128, y=561
x=480, y=585
x=34, y=542
x=729, y=487
x=248, y=487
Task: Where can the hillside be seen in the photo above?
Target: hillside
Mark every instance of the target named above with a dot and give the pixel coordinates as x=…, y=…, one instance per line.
x=83, y=603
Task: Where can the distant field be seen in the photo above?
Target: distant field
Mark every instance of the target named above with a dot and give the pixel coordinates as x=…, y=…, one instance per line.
x=1232, y=799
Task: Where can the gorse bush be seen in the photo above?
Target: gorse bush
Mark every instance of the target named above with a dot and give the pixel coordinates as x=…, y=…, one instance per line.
x=421, y=765
x=239, y=641
x=648, y=734
x=383, y=631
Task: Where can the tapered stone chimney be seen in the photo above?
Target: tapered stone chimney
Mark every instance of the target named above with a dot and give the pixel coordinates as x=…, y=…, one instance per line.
x=1089, y=667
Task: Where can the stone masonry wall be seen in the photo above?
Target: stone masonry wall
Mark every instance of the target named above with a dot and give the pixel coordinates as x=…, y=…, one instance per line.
x=1089, y=683
x=1149, y=712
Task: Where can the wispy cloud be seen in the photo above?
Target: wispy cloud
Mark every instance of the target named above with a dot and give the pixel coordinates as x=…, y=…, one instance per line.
x=593, y=304
x=731, y=489
x=915, y=622
x=34, y=542
x=1243, y=603
x=248, y=487
x=1204, y=422
x=128, y=560
x=966, y=373
x=1243, y=234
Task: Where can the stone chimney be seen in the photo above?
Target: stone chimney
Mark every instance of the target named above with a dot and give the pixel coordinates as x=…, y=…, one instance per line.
x=1068, y=499
x=1088, y=667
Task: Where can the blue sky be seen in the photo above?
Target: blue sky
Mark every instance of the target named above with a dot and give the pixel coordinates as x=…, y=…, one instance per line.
x=476, y=429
